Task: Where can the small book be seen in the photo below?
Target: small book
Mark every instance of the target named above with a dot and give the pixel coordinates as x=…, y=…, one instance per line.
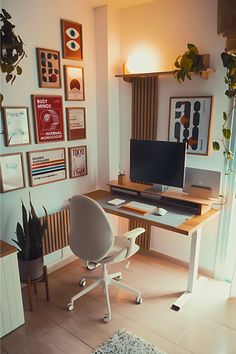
x=140, y=208
x=116, y=201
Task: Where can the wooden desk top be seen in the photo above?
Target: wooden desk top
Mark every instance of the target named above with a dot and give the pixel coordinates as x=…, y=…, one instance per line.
x=6, y=249
x=186, y=228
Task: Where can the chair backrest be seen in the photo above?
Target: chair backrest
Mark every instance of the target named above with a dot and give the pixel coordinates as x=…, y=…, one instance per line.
x=91, y=235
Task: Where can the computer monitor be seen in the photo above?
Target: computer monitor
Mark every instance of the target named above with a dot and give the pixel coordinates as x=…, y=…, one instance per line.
x=161, y=162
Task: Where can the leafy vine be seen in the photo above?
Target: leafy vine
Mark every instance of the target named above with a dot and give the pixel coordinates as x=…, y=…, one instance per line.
x=12, y=49
x=229, y=62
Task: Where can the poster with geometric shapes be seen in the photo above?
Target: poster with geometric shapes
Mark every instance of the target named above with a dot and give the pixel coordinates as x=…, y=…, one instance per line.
x=46, y=166
x=49, y=68
x=74, y=83
x=48, y=117
x=72, y=45
x=190, y=121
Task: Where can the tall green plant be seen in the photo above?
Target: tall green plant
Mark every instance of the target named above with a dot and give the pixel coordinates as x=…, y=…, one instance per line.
x=30, y=234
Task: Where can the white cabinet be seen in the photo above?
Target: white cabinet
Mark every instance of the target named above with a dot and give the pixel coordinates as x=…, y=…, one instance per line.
x=12, y=314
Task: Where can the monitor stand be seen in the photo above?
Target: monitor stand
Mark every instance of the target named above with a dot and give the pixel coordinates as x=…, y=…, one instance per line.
x=155, y=189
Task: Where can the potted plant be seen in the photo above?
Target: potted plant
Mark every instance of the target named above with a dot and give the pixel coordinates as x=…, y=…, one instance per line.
x=190, y=62
x=29, y=241
x=229, y=62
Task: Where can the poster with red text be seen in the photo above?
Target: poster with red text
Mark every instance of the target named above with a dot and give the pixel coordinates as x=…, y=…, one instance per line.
x=48, y=116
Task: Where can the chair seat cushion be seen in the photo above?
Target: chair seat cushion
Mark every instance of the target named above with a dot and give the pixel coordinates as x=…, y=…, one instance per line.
x=119, y=250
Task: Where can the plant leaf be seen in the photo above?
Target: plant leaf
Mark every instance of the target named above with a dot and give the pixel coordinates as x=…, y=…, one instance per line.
x=18, y=70
x=9, y=77
x=1, y=99
x=6, y=14
x=225, y=116
x=216, y=146
x=226, y=133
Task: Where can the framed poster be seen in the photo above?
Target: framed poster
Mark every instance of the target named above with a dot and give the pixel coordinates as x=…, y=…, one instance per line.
x=49, y=68
x=78, y=161
x=47, y=166
x=16, y=123
x=76, y=123
x=190, y=122
x=74, y=83
x=48, y=116
x=12, y=172
x=72, y=41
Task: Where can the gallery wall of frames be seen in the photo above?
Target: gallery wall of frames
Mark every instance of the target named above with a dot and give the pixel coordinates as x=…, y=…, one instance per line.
x=49, y=165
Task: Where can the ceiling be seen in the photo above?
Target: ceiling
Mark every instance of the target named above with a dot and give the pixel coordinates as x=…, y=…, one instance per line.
x=118, y=3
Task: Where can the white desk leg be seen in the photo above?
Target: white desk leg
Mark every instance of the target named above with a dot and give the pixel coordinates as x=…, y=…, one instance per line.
x=194, y=259
x=193, y=282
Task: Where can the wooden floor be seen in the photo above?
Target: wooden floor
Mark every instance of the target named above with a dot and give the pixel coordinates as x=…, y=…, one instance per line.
x=207, y=324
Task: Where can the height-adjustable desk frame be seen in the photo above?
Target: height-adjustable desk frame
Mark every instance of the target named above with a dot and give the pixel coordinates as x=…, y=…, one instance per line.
x=191, y=228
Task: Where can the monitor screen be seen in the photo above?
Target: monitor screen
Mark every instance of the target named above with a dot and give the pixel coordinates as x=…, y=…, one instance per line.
x=161, y=162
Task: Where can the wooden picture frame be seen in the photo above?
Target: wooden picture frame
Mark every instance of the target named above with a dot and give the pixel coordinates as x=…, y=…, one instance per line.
x=48, y=118
x=49, y=68
x=190, y=122
x=76, y=123
x=12, y=172
x=74, y=83
x=16, y=126
x=78, y=161
x=47, y=166
x=72, y=40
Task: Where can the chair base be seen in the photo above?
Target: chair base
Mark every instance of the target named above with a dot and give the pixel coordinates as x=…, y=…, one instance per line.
x=105, y=280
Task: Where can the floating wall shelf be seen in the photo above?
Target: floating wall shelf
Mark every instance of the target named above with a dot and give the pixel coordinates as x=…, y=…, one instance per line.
x=128, y=77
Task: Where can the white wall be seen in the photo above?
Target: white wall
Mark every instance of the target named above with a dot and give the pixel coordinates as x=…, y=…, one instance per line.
x=38, y=23
x=164, y=28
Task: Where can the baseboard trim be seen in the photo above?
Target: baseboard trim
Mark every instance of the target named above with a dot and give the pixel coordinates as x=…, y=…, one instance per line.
x=203, y=271
x=61, y=263
x=165, y=257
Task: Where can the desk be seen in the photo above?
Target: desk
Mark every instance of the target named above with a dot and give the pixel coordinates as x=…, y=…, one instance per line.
x=190, y=227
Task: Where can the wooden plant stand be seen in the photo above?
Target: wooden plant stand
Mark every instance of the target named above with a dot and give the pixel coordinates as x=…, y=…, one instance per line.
x=30, y=282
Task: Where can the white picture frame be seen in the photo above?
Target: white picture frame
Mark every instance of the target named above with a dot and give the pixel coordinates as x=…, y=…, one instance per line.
x=16, y=124
x=12, y=172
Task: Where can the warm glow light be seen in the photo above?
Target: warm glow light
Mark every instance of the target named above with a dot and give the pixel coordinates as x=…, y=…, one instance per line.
x=142, y=61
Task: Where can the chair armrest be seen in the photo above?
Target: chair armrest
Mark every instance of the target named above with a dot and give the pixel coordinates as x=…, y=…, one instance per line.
x=131, y=236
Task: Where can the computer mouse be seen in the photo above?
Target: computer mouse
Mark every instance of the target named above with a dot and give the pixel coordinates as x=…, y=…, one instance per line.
x=161, y=211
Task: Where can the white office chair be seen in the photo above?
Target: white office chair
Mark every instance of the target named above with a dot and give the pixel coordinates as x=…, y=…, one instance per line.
x=92, y=239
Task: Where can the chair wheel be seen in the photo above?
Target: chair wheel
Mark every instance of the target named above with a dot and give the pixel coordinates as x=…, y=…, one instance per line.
x=119, y=277
x=82, y=282
x=70, y=306
x=106, y=318
x=138, y=300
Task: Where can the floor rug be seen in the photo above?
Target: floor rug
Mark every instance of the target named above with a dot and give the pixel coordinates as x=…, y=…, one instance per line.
x=125, y=342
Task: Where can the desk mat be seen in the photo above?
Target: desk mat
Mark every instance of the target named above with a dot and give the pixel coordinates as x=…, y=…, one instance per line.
x=175, y=215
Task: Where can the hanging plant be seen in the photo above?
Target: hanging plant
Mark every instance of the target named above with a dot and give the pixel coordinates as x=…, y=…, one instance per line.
x=12, y=50
x=229, y=62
